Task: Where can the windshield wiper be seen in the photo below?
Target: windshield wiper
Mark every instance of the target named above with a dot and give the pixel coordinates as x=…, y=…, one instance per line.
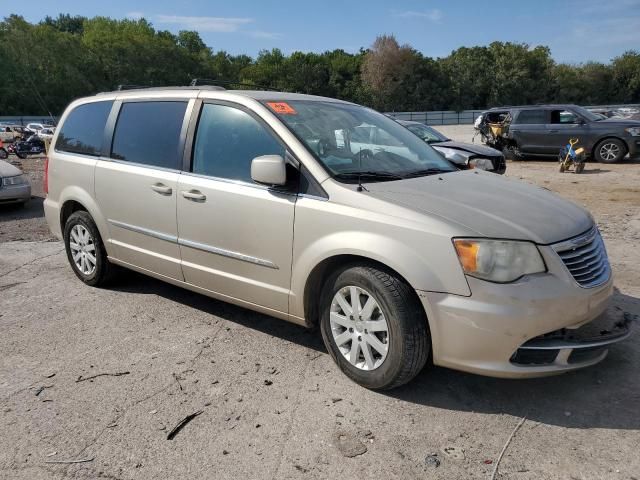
x=369, y=174
x=426, y=171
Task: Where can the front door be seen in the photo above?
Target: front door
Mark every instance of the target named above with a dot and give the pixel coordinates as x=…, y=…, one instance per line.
x=564, y=124
x=235, y=236
x=137, y=189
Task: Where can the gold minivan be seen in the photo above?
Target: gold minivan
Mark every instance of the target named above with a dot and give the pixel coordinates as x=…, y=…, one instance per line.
x=282, y=203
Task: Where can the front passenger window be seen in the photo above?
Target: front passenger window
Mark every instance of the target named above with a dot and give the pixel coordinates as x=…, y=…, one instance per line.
x=227, y=140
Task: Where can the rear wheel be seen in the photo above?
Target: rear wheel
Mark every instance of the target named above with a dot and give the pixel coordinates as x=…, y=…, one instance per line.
x=21, y=156
x=610, y=150
x=85, y=250
x=3, y=154
x=374, y=327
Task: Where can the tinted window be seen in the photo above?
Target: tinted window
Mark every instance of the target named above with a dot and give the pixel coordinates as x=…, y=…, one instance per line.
x=149, y=133
x=532, y=117
x=83, y=129
x=563, y=116
x=227, y=140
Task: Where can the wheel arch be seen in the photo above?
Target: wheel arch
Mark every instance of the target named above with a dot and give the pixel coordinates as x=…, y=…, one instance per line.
x=597, y=143
x=319, y=274
x=76, y=199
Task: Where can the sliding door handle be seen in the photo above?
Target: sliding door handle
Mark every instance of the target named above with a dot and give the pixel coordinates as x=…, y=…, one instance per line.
x=194, y=195
x=161, y=188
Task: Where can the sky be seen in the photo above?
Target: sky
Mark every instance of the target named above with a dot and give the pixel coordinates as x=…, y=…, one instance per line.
x=576, y=30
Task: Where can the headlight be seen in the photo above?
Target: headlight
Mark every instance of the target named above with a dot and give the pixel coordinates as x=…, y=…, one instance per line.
x=481, y=164
x=498, y=260
x=17, y=180
x=633, y=131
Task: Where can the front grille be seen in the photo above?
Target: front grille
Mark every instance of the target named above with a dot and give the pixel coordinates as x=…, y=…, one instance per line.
x=586, y=258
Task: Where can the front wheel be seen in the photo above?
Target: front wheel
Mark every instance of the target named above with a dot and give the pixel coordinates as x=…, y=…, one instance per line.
x=610, y=150
x=374, y=327
x=85, y=250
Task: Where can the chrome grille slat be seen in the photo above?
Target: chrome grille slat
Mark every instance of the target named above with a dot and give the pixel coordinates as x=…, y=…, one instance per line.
x=579, y=252
x=593, y=254
x=586, y=259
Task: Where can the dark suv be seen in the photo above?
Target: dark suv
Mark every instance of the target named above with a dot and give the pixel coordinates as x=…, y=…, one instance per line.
x=544, y=129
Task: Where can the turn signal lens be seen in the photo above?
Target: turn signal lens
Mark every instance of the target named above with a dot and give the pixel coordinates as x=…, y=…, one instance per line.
x=468, y=254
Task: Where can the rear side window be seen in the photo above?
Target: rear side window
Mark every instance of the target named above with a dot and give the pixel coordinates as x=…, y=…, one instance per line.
x=83, y=130
x=531, y=117
x=227, y=140
x=149, y=133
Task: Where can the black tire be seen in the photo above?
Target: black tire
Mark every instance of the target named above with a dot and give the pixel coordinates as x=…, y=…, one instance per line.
x=104, y=270
x=611, y=143
x=3, y=154
x=21, y=156
x=579, y=167
x=408, y=340
x=562, y=168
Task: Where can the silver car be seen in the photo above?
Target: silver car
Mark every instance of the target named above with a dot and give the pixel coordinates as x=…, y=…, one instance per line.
x=14, y=185
x=283, y=204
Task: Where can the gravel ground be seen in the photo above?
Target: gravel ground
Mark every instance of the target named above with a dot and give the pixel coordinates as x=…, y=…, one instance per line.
x=273, y=403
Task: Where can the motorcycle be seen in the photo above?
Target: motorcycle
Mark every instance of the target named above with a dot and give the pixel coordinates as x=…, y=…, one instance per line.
x=31, y=146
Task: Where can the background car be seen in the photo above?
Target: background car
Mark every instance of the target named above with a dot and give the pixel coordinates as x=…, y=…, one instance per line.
x=463, y=155
x=541, y=130
x=8, y=133
x=46, y=133
x=14, y=186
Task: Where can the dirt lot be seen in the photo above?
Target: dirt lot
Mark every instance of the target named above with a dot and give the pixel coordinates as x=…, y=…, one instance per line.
x=273, y=404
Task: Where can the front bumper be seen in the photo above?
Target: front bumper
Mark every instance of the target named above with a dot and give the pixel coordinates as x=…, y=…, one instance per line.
x=527, y=328
x=633, y=145
x=15, y=193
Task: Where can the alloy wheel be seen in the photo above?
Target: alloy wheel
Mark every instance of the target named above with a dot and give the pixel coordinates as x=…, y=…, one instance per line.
x=609, y=151
x=83, y=249
x=359, y=328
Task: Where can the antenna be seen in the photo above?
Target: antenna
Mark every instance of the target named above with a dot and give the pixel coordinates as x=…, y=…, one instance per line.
x=360, y=170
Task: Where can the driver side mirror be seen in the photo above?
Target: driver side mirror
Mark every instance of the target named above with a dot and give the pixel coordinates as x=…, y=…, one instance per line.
x=269, y=170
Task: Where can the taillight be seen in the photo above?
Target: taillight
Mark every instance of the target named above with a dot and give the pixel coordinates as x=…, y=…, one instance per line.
x=45, y=185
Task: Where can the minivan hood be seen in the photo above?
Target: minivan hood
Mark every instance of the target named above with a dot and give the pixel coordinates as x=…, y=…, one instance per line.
x=490, y=205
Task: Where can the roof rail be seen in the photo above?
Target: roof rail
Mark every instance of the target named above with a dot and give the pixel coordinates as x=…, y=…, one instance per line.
x=208, y=81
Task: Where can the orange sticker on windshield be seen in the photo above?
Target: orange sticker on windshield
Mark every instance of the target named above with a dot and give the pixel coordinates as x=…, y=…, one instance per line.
x=282, y=108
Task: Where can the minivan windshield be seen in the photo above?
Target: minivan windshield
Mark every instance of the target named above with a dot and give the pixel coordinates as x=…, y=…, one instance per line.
x=355, y=142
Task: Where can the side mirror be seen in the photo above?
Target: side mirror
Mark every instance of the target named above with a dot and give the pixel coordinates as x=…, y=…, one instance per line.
x=269, y=170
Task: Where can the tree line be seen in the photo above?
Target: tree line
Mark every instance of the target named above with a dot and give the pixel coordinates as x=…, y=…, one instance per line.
x=47, y=64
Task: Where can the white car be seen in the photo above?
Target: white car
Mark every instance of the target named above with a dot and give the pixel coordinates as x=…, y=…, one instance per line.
x=46, y=133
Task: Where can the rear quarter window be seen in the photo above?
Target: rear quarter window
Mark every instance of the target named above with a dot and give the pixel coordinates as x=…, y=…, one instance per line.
x=531, y=117
x=83, y=129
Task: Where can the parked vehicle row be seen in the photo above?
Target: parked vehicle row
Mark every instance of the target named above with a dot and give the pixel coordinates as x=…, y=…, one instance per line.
x=542, y=130
x=463, y=155
x=322, y=212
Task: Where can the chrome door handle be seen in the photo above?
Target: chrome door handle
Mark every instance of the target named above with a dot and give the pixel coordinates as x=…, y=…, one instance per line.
x=195, y=195
x=161, y=188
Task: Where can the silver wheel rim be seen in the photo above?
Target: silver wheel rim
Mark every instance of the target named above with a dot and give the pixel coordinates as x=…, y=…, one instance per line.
x=359, y=328
x=609, y=151
x=83, y=249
